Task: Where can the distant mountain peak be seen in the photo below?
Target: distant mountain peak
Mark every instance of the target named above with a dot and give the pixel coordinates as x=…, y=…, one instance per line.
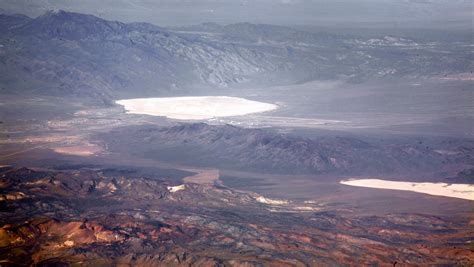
x=58, y=13
x=58, y=23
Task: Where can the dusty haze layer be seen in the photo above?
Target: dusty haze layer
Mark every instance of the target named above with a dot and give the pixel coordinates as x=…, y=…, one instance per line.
x=463, y=191
x=194, y=107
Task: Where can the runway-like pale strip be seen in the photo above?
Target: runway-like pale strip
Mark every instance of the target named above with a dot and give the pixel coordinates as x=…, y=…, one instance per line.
x=194, y=107
x=464, y=191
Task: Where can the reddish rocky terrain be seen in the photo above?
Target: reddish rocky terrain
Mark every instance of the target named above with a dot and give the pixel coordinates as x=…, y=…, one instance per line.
x=89, y=218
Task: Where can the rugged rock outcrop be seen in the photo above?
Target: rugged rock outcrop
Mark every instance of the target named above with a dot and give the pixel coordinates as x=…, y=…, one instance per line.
x=73, y=217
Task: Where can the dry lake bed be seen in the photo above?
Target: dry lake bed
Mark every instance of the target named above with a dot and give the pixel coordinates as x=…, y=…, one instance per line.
x=463, y=191
x=194, y=107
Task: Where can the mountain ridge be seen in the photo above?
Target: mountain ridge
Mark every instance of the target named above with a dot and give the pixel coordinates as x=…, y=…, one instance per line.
x=265, y=150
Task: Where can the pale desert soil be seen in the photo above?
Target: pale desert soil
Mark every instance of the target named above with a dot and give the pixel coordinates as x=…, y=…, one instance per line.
x=203, y=176
x=83, y=151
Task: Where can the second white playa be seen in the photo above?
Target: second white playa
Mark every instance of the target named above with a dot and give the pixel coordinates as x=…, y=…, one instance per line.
x=463, y=191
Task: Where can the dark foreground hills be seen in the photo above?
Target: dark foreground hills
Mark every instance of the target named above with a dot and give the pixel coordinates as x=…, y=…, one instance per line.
x=90, y=218
x=70, y=54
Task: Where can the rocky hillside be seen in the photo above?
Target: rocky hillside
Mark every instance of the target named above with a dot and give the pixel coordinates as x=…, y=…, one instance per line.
x=267, y=151
x=83, y=217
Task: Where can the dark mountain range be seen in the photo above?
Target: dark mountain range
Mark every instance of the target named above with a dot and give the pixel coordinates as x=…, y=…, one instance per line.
x=267, y=151
x=248, y=32
x=8, y=22
x=70, y=54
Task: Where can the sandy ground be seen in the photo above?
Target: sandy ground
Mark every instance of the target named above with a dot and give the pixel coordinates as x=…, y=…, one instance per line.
x=177, y=188
x=463, y=191
x=194, y=107
x=83, y=151
x=203, y=176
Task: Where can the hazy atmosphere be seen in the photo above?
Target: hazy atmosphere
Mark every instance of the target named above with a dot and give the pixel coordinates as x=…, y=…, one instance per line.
x=344, y=13
x=236, y=133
